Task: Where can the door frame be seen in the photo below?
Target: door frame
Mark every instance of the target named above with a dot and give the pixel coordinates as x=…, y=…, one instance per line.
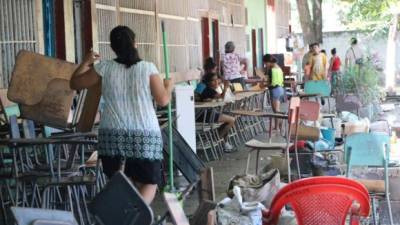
x=205, y=33
x=254, y=47
x=260, y=43
x=215, y=39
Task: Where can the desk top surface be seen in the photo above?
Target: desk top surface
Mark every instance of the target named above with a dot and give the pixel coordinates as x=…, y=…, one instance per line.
x=238, y=96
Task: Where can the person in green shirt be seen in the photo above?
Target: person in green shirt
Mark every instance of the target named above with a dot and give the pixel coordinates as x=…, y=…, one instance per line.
x=275, y=79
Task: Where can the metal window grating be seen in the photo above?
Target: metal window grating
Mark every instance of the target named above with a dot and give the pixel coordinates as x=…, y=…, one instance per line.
x=18, y=30
x=182, y=22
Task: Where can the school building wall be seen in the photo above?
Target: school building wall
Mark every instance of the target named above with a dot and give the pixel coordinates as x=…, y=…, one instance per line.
x=68, y=29
x=256, y=22
x=267, y=21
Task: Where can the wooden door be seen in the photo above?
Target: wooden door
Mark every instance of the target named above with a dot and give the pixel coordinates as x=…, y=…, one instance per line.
x=215, y=35
x=205, y=33
x=254, y=47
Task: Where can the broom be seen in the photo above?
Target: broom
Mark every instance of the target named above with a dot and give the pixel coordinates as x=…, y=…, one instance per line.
x=170, y=187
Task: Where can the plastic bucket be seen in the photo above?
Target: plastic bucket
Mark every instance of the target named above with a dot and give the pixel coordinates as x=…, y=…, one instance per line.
x=329, y=135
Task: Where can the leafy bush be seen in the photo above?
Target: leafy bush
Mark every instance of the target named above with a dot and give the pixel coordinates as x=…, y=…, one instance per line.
x=364, y=81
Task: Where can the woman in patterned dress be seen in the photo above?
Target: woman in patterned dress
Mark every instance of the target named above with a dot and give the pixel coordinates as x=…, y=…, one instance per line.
x=129, y=129
x=231, y=65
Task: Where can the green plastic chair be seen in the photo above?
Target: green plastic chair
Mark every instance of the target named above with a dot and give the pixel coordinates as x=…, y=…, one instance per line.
x=320, y=87
x=370, y=149
x=12, y=110
x=35, y=216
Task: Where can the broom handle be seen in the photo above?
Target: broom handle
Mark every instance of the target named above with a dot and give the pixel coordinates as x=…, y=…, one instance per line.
x=170, y=139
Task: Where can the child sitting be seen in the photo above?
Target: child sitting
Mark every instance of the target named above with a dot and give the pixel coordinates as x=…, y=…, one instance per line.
x=209, y=67
x=211, y=81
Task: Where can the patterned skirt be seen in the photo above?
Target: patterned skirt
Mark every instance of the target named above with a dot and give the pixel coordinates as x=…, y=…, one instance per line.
x=132, y=144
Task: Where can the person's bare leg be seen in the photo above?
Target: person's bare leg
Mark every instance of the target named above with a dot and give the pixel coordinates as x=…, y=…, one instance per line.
x=148, y=191
x=228, y=123
x=276, y=108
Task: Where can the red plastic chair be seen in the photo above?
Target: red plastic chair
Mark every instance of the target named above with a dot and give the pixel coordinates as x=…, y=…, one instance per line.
x=309, y=110
x=321, y=200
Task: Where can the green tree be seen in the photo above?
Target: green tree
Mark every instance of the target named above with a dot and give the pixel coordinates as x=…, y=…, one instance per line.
x=378, y=16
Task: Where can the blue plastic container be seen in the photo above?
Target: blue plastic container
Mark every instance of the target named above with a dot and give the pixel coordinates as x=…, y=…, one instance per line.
x=329, y=135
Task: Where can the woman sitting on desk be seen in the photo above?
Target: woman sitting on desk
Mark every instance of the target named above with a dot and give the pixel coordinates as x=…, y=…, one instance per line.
x=210, y=93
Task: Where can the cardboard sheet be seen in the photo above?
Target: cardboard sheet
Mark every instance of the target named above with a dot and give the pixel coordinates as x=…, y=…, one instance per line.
x=40, y=85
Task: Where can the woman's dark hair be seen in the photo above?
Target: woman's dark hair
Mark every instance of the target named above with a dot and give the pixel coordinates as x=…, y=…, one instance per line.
x=314, y=44
x=333, y=51
x=266, y=58
x=353, y=41
x=323, y=51
x=122, y=41
x=272, y=60
x=208, y=77
x=209, y=64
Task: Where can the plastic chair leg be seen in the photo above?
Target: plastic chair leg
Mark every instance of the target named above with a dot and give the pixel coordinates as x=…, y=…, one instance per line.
x=270, y=130
x=257, y=157
x=374, y=211
x=333, y=125
x=297, y=162
x=248, y=162
x=389, y=209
